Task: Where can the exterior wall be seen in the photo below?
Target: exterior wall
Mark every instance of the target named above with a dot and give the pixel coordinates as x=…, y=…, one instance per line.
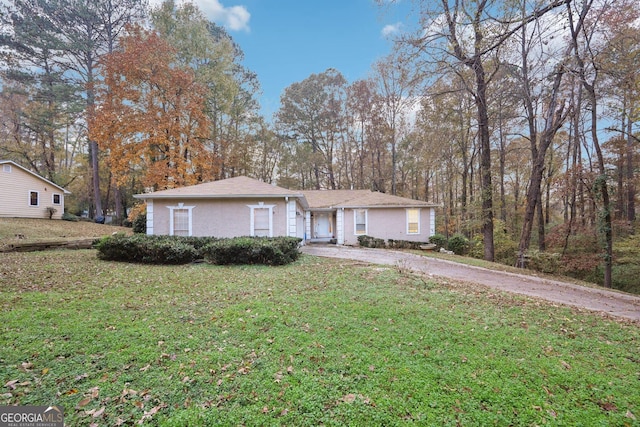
x=220, y=217
x=389, y=223
x=15, y=187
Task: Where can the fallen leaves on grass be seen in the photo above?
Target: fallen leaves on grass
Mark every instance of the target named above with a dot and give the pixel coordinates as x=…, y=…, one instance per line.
x=607, y=406
x=11, y=385
x=351, y=398
x=84, y=402
x=151, y=412
x=96, y=413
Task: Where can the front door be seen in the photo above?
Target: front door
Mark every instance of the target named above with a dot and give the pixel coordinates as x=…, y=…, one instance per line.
x=323, y=227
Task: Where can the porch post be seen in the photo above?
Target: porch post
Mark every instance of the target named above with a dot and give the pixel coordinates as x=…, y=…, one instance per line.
x=307, y=225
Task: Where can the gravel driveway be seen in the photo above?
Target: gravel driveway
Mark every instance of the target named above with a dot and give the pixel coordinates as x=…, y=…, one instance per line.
x=597, y=299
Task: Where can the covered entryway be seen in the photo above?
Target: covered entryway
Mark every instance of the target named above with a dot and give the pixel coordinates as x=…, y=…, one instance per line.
x=323, y=226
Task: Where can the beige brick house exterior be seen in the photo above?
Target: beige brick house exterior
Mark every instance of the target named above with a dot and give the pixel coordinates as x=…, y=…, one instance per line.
x=243, y=206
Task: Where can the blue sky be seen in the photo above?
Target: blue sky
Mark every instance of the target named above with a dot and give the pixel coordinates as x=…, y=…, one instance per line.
x=285, y=41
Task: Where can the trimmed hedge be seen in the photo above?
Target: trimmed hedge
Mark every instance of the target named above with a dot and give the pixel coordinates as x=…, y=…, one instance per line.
x=403, y=244
x=144, y=249
x=66, y=216
x=253, y=250
x=439, y=240
x=140, y=248
x=459, y=244
x=371, y=242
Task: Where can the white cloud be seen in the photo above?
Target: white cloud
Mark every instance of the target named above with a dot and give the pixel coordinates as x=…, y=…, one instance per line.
x=234, y=18
x=391, y=29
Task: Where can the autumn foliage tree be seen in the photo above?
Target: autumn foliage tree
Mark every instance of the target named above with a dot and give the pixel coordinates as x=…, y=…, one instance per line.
x=149, y=118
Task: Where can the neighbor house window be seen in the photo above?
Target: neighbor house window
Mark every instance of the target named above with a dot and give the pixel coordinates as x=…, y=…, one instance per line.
x=33, y=198
x=180, y=220
x=56, y=199
x=6, y=168
x=360, y=221
x=413, y=221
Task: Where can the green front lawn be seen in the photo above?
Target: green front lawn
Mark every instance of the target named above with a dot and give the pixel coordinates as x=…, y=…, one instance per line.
x=317, y=342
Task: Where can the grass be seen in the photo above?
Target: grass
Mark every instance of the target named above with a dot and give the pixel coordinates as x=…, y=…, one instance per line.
x=476, y=262
x=318, y=342
x=31, y=229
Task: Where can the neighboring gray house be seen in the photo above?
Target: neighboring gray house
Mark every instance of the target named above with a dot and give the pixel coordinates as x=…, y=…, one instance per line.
x=26, y=194
x=244, y=206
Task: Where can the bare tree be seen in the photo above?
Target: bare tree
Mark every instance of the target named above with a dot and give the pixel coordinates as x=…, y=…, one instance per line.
x=469, y=33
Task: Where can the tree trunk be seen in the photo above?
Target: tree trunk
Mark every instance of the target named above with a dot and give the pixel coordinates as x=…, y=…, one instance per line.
x=94, y=152
x=600, y=186
x=553, y=122
x=540, y=216
x=485, y=160
x=631, y=188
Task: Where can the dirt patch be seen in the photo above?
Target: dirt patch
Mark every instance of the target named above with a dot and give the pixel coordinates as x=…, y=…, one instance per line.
x=613, y=303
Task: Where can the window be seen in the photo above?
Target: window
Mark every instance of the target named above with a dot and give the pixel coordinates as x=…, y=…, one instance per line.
x=6, y=168
x=360, y=221
x=261, y=222
x=33, y=198
x=56, y=199
x=413, y=221
x=180, y=222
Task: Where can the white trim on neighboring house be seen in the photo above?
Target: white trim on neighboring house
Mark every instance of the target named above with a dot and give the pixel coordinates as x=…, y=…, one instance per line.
x=340, y=226
x=355, y=222
x=189, y=210
x=150, y=217
x=261, y=205
x=37, y=193
x=408, y=210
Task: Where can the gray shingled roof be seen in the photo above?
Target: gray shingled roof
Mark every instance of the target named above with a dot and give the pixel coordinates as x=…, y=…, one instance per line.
x=242, y=186
x=239, y=186
x=323, y=199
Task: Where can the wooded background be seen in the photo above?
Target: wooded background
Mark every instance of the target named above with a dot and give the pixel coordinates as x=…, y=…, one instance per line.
x=520, y=118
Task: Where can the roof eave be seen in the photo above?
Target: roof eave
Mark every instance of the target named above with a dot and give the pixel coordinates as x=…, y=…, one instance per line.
x=385, y=206
x=64, y=191
x=215, y=196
